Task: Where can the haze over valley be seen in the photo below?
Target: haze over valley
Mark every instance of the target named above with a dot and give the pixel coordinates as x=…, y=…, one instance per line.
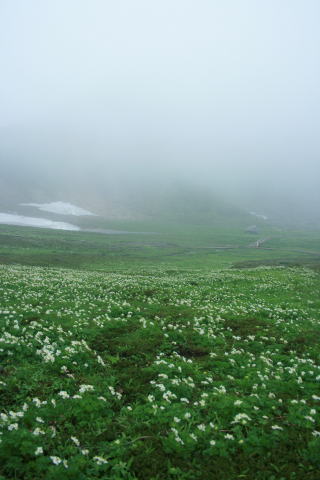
x=159, y=240
x=158, y=100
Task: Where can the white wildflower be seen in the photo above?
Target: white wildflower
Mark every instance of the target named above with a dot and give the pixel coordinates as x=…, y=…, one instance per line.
x=75, y=440
x=241, y=418
x=63, y=394
x=86, y=388
x=100, y=460
x=311, y=419
x=13, y=426
x=276, y=427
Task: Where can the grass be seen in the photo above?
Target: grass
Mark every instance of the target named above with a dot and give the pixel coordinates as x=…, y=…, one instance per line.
x=146, y=357
x=167, y=245
x=160, y=375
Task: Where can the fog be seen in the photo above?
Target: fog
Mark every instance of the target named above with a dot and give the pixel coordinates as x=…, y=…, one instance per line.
x=99, y=98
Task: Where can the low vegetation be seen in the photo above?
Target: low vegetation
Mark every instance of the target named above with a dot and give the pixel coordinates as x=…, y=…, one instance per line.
x=170, y=374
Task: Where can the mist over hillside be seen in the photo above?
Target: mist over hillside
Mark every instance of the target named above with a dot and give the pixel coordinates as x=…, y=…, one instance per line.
x=139, y=118
x=39, y=169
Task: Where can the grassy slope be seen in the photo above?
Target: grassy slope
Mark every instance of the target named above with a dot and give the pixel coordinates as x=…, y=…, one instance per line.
x=143, y=375
x=171, y=244
x=139, y=315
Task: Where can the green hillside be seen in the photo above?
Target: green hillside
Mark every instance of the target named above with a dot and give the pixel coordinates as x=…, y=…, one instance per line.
x=158, y=342
x=159, y=375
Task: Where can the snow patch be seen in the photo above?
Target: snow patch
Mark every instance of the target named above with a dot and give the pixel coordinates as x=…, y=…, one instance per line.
x=62, y=208
x=258, y=215
x=13, y=219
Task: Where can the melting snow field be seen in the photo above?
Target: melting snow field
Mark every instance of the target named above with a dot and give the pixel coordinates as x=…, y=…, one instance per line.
x=258, y=215
x=13, y=219
x=62, y=208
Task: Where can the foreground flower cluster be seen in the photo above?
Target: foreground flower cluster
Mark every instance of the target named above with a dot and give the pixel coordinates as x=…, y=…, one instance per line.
x=169, y=375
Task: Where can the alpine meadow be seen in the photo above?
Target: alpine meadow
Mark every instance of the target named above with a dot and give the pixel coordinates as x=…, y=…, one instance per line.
x=159, y=240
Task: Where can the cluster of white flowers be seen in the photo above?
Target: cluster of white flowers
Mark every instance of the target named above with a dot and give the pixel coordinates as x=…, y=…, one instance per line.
x=100, y=460
x=86, y=388
x=241, y=418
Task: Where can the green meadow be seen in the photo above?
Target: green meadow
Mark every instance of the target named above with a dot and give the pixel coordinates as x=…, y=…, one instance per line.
x=178, y=353
x=203, y=245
